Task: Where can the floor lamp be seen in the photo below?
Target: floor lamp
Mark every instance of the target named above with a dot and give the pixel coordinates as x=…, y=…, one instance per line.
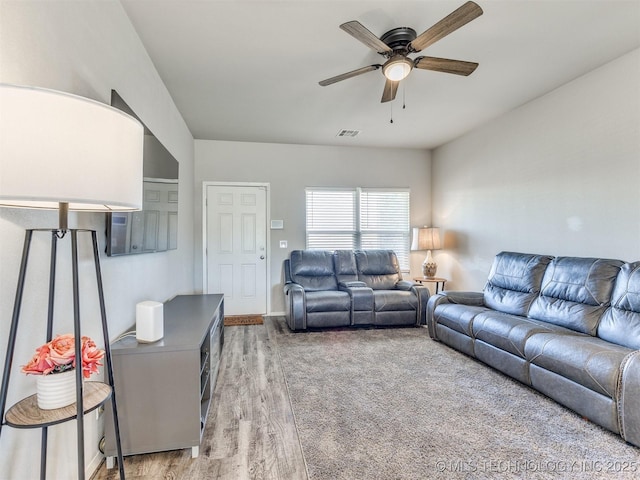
x=65, y=152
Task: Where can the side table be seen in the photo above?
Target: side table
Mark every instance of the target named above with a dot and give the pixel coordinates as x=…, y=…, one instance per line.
x=437, y=280
x=89, y=395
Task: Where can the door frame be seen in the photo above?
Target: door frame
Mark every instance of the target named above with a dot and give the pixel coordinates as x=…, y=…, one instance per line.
x=267, y=187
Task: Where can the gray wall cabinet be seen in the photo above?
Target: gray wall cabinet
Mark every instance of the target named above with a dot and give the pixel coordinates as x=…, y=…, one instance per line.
x=164, y=389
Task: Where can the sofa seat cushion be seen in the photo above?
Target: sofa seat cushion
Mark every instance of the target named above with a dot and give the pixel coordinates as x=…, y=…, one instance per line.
x=394, y=300
x=345, y=266
x=328, y=301
x=379, y=269
x=621, y=322
x=586, y=360
x=576, y=292
x=509, y=332
x=458, y=317
x=514, y=281
x=313, y=269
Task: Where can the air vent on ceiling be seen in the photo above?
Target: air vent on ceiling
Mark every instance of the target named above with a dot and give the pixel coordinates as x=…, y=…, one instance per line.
x=348, y=133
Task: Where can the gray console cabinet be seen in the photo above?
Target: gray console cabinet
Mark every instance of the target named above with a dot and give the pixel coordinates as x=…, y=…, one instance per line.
x=164, y=389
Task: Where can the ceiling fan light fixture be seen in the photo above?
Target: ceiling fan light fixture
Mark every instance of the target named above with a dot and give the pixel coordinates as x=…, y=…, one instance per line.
x=397, y=68
x=396, y=44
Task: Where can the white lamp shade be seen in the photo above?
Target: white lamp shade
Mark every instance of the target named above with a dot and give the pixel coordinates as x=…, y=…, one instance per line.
x=397, y=68
x=57, y=147
x=426, y=239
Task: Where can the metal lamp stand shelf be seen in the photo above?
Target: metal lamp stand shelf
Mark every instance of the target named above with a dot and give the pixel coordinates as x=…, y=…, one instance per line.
x=89, y=395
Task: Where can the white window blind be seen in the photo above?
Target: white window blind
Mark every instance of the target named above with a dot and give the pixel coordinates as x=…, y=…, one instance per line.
x=331, y=219
x=360, y=218
x=384, y=222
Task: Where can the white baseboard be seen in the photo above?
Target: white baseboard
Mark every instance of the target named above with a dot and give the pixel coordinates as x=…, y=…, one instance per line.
x=275, y=314
x=93, y=465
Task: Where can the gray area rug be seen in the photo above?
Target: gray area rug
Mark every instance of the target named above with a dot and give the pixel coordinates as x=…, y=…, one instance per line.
x=393, y=404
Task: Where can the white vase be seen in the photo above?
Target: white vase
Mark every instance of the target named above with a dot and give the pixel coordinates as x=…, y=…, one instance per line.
x=56, y=390
x=429, y=266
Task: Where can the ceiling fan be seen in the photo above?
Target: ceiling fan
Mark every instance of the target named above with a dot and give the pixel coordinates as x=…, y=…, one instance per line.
x=397, y=44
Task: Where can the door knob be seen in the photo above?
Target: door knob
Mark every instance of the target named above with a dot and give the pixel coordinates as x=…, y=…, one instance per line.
x=261, y=257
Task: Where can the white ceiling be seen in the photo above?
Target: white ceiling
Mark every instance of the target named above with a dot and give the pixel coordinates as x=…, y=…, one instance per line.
x=249, y=70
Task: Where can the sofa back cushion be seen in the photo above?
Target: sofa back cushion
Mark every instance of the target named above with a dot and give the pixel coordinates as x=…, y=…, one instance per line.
x=621, y=322
x=576, y=292
x=514, y=282
x=313, y=269
x=345, y=265
x=379, y=269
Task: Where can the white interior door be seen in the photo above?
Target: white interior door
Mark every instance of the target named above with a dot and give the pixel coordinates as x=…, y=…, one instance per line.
x=236, y=247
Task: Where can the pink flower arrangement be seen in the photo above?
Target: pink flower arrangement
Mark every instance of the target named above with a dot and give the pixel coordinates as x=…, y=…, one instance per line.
x=59, y=355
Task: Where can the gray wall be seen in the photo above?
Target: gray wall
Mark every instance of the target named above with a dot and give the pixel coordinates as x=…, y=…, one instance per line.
x=559, y=175
x=85, y=48
x=290, y=168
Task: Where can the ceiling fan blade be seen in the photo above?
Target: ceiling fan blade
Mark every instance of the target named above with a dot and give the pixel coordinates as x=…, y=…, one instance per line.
x=456, y=19
x=344, y=76
x=361, y=33
x=445, y=65
x=389, y=92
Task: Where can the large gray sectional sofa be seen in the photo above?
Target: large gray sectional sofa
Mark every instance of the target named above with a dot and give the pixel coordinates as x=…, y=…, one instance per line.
x=568, y=327
x=350, y=288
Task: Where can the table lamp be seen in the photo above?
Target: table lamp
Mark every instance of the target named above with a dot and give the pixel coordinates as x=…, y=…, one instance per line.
x=427, y=239
x=65, y=152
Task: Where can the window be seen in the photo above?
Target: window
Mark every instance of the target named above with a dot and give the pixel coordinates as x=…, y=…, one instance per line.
x=359, y=218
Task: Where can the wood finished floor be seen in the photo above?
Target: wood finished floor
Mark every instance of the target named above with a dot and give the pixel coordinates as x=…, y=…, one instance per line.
x=250, y=432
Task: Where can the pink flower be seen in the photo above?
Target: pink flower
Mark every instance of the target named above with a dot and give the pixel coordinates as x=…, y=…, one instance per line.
x=58, y=355
x=41, y=363
x=90, y=357
x=63, y=349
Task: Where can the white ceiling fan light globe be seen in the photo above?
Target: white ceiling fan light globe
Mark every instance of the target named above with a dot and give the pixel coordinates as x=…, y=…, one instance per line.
x=397, y=68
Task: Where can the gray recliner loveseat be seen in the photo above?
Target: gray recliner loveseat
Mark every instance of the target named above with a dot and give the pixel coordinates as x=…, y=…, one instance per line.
x=567, y=326
x=349, y=288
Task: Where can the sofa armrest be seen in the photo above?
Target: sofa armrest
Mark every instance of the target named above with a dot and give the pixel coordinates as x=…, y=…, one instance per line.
x=423, y=294
x=629, y=398
x=361, y=301
x=475, y=299
x=295, y=306
x=291, y=286
x=450, y=296
x=404, y=285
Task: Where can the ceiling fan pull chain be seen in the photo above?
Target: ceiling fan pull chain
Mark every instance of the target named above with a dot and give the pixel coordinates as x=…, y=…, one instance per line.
x=404, y=104
x=391, y=112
